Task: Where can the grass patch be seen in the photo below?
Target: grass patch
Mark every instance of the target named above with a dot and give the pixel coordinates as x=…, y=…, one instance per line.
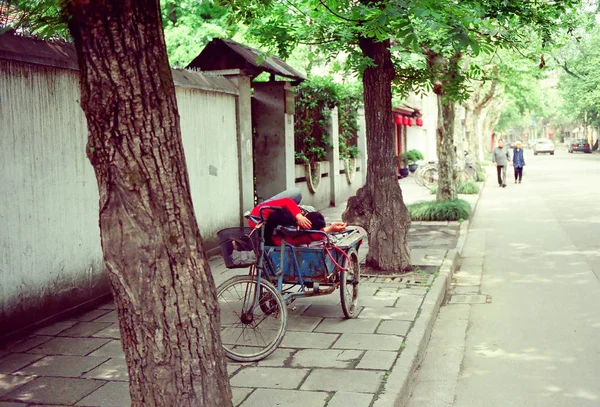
x=440, y=211
x=468, y=188
x=480, y=175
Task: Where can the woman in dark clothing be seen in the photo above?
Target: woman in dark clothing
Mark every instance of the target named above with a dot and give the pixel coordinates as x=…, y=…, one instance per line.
x=518, y=162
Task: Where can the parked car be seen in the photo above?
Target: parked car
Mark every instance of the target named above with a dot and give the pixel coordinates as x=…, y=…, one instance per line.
x=543, y=146
x=580, y=144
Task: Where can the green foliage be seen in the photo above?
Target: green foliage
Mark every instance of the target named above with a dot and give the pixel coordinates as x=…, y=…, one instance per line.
x=440, y=211
x=314, y=100
x=411, y=157
x=191, y=24
x=466, y=188
x=480, y=175
x=43, y=19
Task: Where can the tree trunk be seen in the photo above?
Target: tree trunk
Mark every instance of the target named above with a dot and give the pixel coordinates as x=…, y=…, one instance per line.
x=445, y=149
x=378, y=206
x=163, y=288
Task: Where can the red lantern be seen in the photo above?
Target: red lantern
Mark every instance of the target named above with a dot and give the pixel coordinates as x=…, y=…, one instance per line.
x=410, y=122
x=398, y=119
x=404, y=120
x=419, y=122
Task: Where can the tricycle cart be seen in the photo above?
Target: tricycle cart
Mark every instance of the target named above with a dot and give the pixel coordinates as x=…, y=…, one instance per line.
x=254, y=306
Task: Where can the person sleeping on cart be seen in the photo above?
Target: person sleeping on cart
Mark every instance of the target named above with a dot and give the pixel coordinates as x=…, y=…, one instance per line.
x=290, y=214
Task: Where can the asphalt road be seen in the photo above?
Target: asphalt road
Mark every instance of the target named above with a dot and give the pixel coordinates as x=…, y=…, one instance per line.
x=537, y=340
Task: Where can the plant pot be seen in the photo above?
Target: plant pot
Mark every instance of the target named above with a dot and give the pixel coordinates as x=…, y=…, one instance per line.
x=403, y=172
x=350, y=167
x=313, y=176
x=412, y=167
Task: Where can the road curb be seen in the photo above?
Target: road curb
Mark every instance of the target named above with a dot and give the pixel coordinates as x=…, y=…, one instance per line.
x=399, y=384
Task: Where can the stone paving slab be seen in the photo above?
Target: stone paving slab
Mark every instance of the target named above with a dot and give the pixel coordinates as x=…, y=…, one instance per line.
x=369, y=342
x=114, y=369
x=111, y=332
x=287, y=398
x=389, y=313
x=377, y=301
x=303, y=324
x=54, y=390
x=91, y=315
x=29, y=343
x=111, y=317
x=15, y=361
x=62, y=366
x=69, y=346
x=278, y=358
x=84, y=329
x=335, y=325
x=239, y=394
x=112, y=349
x=326, y=358
x=269, y=377
x=308, y=340
x=377, y=360
x=112, y=394
x=324, y=311
x=343, y=380
x=9, y=383
x=391, y=327
x=56, y=328
x=11, y=404
x=347, y=399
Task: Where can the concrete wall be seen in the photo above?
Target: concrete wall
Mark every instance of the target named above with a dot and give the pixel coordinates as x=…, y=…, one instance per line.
x=50, y=254
x=208, y=127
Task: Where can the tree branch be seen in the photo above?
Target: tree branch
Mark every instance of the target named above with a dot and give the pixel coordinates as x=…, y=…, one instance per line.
x=340, y=16
x=563, y=65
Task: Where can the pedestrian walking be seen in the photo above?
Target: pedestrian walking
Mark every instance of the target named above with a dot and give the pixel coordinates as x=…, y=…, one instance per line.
x=518, y=162
x=501, y=158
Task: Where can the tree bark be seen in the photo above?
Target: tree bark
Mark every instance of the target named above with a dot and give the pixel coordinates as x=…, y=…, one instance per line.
x=378, y=206
x=163, y=288
x=445, y=149
x=474, y=108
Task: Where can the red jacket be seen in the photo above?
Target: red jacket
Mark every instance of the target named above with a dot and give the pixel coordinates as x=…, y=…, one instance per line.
x=294, y=209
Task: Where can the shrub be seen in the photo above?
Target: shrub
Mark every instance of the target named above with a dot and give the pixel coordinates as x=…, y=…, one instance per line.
x=480, y=175
x=440, y=211
x=469, y=188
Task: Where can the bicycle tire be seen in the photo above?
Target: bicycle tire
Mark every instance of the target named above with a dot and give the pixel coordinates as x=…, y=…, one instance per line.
x=241, y=318
x=349, y=283
x=430, y=177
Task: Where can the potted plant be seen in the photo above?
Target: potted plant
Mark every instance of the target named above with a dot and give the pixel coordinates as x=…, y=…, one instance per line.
x=404, y=165
x=411, y=157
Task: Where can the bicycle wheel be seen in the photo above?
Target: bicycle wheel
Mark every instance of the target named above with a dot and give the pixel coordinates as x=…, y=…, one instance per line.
x=430, y=177
x=468, y=175
x=349, y=283
x=250, y=330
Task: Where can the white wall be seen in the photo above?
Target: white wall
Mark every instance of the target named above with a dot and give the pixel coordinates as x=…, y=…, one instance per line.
x=423, y=138
x=49, y=233
x=50, y=253
x=208, y=127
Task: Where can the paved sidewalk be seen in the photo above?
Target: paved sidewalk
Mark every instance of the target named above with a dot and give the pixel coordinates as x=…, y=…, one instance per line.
x=324, y=360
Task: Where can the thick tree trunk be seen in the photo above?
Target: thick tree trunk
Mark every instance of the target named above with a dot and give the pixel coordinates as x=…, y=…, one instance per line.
x=164, y=291
x=445, y=150
x=378, y=206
